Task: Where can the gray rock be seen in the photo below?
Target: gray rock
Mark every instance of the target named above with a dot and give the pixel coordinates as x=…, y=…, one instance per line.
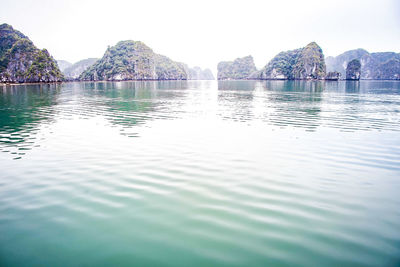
x=76, y=69
x=63, y=64
x=353, y=70
x=381, y=65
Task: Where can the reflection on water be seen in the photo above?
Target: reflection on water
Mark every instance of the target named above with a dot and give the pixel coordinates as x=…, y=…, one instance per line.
x=242, y=173
x=349, y=105
x=22, y=109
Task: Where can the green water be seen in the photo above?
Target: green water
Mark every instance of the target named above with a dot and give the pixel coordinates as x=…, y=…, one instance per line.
x=200, y=173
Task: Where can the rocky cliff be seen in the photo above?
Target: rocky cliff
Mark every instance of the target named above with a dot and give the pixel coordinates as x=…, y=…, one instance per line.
x=239, y=69
x=302, y=63
x=21, y=61
x=310, y=63
x=381, y=65
x=130, y=60
x=353, y=70
x=76, y=69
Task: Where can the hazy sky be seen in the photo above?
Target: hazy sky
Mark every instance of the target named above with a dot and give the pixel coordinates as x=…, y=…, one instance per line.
x=205, y=32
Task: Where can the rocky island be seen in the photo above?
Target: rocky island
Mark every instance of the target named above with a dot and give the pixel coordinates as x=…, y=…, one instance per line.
x=21, y=61
x=73, y=71
x=333, y=76
x=353, y=70
x=63, y=64
x=196, y=73
x=379, y=66
x=305, y=63
x=239, y=69
x=133, y=60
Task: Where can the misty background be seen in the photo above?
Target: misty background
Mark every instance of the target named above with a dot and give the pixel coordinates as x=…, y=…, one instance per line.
x=202, y=33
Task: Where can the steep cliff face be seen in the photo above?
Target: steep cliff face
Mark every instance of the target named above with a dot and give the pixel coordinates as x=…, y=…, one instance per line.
x=353, y=70
x=303, y=63
x=21, y=61
x=240, y=68
x=196, y=73
x=76, y=69
x=340, y=62
x=382, y=65
x=130, y=60
x=310, y=63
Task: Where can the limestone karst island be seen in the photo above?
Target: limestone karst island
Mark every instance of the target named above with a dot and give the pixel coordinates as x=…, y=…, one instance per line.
x=22, y=62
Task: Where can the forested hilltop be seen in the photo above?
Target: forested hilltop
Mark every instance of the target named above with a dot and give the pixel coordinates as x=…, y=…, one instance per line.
x=133, y=60
x=303, y=63
x=239, y=69
x=21, y=61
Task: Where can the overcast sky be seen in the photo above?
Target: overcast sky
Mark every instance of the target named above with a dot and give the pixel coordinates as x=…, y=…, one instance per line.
x=208, y=31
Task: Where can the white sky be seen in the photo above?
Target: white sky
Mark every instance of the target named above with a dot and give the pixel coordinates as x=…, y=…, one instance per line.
x=208, y=31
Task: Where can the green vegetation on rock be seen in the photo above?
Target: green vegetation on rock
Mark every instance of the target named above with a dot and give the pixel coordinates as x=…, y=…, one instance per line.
x=303, y=63
x=21, y=61
x=133, y=60
x=353, y=70
x=310, y=63
x=239, y=69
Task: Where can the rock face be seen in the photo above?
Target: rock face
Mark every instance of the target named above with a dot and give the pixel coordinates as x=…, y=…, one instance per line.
x=382, y=65
x=389, y=70
x=63, y=64
x=353, y=70
x=239, y=69
x=303, y=63
x=310, y=63
x=21, y=61
x=196, y=73
x=130, y=60
x=333, y=76
x=76, y=69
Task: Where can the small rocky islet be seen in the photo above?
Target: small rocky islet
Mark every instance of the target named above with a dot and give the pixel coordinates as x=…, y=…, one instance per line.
x=22, y=62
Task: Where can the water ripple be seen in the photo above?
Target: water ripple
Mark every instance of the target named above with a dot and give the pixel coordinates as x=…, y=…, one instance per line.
x=202, y=173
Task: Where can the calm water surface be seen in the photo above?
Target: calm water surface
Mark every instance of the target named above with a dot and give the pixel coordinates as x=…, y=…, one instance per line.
x=200, y=173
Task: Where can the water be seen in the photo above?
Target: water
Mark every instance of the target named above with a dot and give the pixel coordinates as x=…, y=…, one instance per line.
x=200, y=173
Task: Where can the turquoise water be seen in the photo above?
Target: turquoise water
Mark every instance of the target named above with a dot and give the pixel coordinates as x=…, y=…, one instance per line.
x=200, y=173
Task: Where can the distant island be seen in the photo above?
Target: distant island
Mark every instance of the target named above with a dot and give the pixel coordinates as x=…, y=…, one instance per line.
x=239, y=69
x=309, y=63
x=377, y=66
x=22, y=62
x=73, y=71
